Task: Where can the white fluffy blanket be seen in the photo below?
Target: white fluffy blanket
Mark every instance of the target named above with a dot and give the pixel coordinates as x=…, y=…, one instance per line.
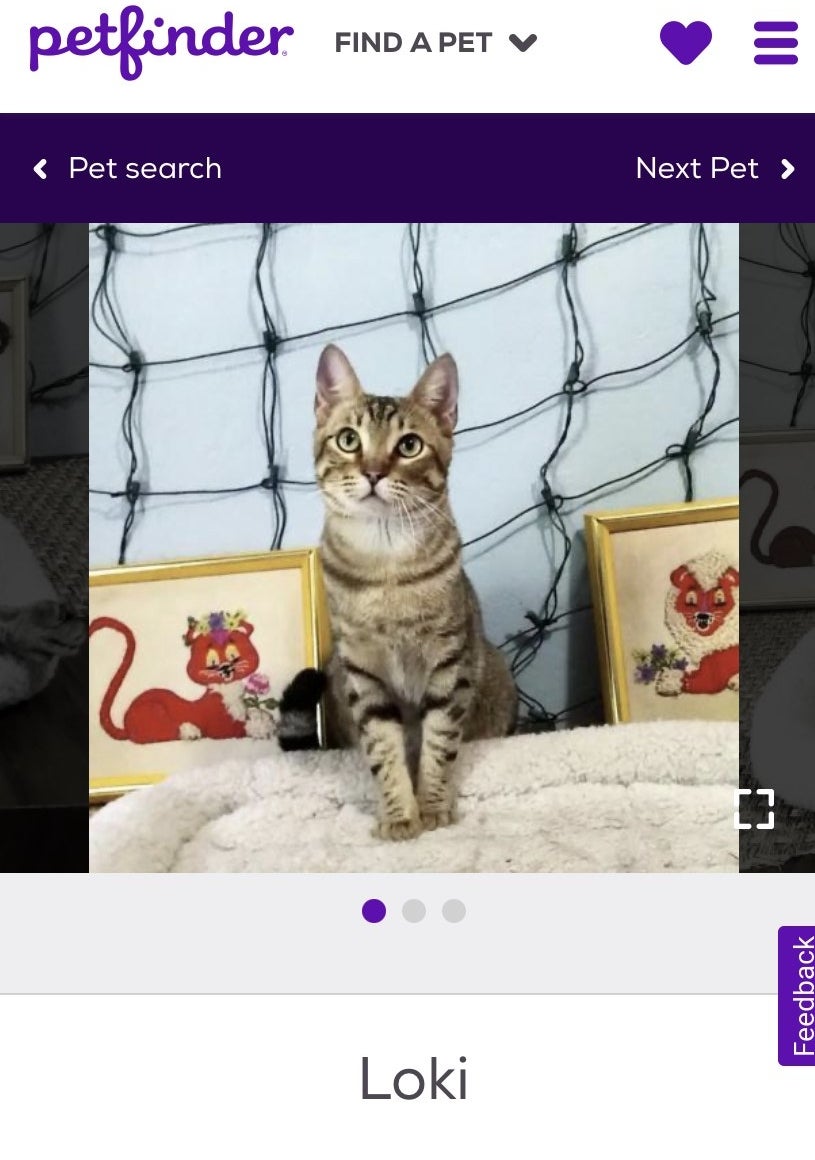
x=650, y=797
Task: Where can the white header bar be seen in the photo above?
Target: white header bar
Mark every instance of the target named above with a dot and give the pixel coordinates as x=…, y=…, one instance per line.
x=284, y=56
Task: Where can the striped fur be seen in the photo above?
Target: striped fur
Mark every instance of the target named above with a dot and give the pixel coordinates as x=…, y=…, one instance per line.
x=412, y=674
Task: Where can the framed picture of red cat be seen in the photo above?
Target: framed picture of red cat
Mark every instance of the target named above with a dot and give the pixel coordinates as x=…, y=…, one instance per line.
x=13, y=374
x=665, y=589
x=777, y=496
x=188, y=661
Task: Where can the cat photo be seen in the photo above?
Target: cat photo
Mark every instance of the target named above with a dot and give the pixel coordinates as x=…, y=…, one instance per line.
x=412, y=674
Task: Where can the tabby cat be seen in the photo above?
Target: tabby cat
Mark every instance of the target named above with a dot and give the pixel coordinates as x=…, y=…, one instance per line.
x=412, y=675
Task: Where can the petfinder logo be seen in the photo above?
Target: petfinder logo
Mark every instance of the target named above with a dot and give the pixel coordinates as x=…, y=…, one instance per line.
x=133, y=38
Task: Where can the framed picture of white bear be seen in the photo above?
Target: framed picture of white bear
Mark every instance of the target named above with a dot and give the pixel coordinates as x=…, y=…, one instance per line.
x=665, y=591
x=188, y=661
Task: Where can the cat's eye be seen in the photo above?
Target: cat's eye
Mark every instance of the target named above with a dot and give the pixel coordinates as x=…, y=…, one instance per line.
x=212, y=659
x=692, y=598
x=409, y=446
x=719, y=597
x=232, y=653
x=348, y=439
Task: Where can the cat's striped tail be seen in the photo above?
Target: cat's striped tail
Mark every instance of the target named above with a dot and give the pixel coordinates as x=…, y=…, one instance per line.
x=297, y=728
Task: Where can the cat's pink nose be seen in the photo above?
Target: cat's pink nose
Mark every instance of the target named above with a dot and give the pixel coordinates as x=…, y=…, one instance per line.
x=373, y=477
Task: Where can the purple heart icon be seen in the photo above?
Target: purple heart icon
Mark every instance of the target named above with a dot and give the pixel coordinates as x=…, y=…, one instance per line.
x=686, y=42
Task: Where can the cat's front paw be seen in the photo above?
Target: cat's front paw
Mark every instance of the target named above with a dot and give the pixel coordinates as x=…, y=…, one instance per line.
x=437, y=815
x=189, y=732
x=669, y=682
x=733, y=683
x=437, y=819
x=399, y=829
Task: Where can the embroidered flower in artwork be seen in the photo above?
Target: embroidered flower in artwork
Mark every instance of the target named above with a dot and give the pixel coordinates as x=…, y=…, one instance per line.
x=217, y=621
x=216, y=625
x=258, y=684
x=649, y=663
x=256, y=694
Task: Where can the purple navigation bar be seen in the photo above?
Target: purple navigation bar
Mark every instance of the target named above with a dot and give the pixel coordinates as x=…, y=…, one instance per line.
x=796, y=996
x=386, y=167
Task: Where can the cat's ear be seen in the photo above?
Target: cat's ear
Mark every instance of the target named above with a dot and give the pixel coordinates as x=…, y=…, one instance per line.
x=336, y=382
x=732, y=576
x=437, y=391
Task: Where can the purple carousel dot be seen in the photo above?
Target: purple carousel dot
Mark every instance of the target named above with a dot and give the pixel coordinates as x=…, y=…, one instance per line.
x=374, y=910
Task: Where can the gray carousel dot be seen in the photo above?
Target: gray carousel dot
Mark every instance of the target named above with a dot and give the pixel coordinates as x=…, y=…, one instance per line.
x=454, y=910
x=414, y=910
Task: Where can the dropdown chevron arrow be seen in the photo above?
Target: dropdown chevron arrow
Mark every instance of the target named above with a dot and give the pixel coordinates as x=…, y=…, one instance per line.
x=523, y=45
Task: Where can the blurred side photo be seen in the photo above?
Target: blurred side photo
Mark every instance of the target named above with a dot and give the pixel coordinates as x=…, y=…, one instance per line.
x=43, y=546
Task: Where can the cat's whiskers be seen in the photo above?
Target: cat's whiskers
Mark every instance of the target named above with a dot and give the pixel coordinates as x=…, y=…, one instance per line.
x=399, y=508
x=405, y=511
x=401, y=495
x=432, y=514
x=409, y=515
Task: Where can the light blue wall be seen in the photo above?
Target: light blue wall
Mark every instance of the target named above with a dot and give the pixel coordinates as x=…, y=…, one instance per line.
x=199, y=423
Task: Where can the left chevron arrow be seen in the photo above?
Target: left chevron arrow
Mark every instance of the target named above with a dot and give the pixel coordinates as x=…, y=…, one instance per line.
x=39, y=168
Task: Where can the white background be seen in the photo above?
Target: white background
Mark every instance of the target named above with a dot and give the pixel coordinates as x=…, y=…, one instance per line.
x=576, y=1077
x=200, y=423
x=589, y=57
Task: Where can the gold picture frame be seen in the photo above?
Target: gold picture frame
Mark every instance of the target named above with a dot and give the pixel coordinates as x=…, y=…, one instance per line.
x=301, y=617
x=648, y=591
x=13, y=374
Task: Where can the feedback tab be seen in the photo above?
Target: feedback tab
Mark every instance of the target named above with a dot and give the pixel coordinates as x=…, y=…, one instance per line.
x=796, y=996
